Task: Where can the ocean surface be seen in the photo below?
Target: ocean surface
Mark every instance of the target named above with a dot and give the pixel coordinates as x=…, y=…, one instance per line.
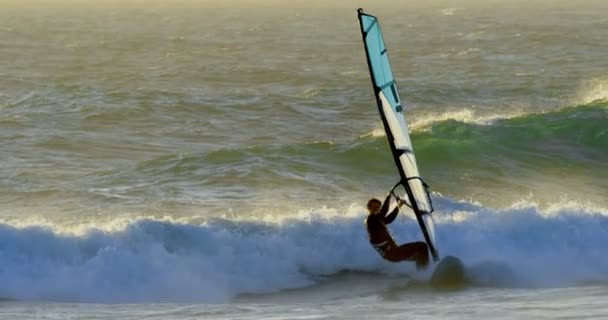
x=208, y=160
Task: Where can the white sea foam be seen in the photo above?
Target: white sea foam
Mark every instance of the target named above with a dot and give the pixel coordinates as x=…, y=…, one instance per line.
x=144, y=259
x=450, y=11
x=597, y=91
x=593, y=90
x=465, y=115
x=422, y=122
x=562, y=245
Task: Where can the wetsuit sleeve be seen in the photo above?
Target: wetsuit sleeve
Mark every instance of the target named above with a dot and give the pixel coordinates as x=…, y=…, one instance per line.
x=384, y=208
x=386, y=219
x=391, y=217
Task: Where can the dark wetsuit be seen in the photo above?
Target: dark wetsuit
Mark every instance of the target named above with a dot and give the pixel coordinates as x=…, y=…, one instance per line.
x=381, y=239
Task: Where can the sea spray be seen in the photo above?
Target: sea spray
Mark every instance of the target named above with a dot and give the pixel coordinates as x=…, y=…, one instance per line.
x=146, y=259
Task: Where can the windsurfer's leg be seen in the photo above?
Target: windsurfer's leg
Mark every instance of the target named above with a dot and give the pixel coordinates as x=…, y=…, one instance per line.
x=416, y=251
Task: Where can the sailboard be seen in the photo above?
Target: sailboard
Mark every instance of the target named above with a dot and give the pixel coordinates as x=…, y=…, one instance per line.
x=390, y=107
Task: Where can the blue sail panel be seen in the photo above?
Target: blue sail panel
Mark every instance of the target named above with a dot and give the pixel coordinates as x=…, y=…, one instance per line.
x=378, y=58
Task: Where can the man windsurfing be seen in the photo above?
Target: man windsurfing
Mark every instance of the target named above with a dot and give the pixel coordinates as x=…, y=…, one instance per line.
x=382, y=241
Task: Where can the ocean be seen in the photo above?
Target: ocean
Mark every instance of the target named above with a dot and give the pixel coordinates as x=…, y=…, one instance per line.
x=212, y=160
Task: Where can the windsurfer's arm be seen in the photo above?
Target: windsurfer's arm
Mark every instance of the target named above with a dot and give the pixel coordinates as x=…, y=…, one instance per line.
x=391, y=217
x=385, y=205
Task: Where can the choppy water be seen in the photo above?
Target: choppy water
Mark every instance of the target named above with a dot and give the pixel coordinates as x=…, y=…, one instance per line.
x=218, y=152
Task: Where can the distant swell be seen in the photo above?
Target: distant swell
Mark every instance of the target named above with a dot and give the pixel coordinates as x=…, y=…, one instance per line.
x=578, y=128
x=571, y=134
x=145, y=260
x=573, y=141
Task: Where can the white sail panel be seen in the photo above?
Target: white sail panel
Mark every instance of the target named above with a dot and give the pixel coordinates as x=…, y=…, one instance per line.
x=397, y=124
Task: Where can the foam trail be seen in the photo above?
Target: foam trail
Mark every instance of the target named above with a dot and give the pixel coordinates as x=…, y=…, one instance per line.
x=168, y=260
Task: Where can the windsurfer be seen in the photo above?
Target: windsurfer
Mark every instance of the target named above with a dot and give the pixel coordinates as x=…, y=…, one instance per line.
x=381, y=239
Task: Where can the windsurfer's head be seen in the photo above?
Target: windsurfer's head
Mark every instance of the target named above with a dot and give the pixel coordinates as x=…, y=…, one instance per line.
x=373, y=205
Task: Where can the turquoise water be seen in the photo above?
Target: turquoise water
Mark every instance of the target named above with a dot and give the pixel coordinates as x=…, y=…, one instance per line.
x=222, y=153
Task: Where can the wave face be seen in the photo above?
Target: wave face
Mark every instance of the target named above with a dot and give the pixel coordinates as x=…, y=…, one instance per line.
x=543, y=157
x=144, y=259
x=558, y=153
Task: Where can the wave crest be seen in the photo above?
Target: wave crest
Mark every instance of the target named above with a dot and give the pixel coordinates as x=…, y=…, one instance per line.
x=216, y=259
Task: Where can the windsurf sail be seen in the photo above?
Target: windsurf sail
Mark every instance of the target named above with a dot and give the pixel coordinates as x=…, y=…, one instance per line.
x=391, y=112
